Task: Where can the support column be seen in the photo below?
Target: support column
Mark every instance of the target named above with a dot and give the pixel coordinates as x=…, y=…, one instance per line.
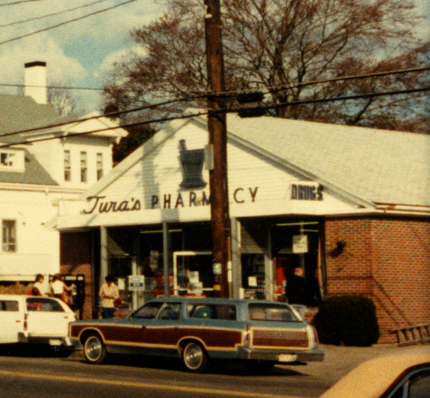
x=104, y=260
x=166, y=259
x=268, y=266
x=236, y=258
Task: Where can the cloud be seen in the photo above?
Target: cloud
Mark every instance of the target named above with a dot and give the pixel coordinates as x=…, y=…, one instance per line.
x=60, y=68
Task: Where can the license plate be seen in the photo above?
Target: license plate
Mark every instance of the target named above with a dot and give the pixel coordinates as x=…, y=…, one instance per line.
x=287, y=358
x=55, y=342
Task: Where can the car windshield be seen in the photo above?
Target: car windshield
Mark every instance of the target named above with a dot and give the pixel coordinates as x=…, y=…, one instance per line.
x=271, y=313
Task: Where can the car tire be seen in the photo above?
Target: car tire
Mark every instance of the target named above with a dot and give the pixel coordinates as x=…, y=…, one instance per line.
x=194, y=357
x=260, y=367
x=94, y=349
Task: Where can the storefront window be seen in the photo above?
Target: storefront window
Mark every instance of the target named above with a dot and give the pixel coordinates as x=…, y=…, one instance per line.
x=253, y=276
x=193, y=274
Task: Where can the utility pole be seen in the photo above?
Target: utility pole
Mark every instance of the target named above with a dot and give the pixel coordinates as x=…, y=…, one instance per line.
x=218, y=140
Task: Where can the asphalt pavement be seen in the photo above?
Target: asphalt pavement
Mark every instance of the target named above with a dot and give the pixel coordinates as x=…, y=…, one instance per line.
x=340, y=360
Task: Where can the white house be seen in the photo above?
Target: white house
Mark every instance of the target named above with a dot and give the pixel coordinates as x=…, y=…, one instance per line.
x=39, y=167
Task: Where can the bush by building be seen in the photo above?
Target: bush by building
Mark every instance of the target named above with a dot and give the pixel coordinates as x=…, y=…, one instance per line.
x=348, y=320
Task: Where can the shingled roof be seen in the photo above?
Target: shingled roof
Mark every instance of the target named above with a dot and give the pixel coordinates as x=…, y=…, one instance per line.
x=18, y=113
x=379, y=166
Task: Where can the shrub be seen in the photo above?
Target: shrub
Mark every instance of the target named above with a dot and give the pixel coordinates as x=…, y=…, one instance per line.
x=349, y=320
x=13, y=288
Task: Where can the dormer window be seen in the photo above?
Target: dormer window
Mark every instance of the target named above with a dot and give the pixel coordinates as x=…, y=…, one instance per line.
x=12, y=160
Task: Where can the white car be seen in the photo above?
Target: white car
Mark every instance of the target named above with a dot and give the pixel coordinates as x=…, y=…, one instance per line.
x=34, y=319
x=403, y=374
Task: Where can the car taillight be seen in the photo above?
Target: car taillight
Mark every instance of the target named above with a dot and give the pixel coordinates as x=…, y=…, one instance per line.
x=314, y=331
x=246, y=340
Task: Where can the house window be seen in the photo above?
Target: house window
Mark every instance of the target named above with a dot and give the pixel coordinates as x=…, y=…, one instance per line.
x=67, y=166
x=84, y=167
x=99, y=166
x=9, y=236
x=7, y=159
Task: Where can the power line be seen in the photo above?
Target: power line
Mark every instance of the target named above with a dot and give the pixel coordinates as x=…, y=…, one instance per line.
x=111, y=114
x=17, y=2
x=226, y=110
x=317, y=101
x=375, y=74
x=166, y=119
x=191, y=98
x=54, y=87
x=65, y=22
x=50, y=15
x=271, y=88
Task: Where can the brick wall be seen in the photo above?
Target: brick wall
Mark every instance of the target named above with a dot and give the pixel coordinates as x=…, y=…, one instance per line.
x=386, y=259
x=75, y=258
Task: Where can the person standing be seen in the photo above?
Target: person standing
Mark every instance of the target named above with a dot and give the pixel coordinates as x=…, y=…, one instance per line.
x=60, y=290
x=297, y=289
x=109, y=292
x=40, y=285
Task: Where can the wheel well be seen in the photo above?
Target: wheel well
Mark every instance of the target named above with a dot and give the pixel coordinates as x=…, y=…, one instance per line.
x=87, y=332
x=184, y=342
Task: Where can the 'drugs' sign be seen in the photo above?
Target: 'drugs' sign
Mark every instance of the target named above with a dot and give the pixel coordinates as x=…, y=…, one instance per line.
x=306, y=190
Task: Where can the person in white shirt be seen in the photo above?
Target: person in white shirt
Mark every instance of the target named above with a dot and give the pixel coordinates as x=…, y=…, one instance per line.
x=42, y=287
x=109, y=292
x=60, y=290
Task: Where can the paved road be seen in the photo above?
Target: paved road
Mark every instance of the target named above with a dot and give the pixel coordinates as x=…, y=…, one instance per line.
x=40, y=376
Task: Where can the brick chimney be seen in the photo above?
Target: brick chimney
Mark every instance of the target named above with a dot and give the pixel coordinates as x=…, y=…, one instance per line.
x=35, y=81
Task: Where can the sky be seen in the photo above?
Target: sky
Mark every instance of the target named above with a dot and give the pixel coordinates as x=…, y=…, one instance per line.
x=81, y=53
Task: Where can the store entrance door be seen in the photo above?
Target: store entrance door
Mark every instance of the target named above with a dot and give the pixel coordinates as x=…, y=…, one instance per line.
x=193, y=274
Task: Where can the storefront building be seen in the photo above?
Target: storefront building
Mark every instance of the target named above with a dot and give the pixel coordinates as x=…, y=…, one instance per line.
x=316, y=210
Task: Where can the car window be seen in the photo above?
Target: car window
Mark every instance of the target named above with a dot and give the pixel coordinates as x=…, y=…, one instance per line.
x=170, y=312
x=148, y=311
x=43, y=304
x=271, y=313
x=9, y=305
x=212, y=311
x=419, y=386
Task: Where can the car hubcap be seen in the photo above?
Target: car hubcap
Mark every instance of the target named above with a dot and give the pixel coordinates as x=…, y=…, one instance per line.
x=193, y=356
x=93, y=348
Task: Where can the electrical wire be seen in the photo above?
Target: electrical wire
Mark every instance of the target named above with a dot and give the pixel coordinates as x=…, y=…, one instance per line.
x=107, y=115
x=66, y=22
x=218, y=111
x=204, y=95
x=18, y=2
x=318, y=101
x=271, y=89
x=53, y=87
x=51, y=15
x=166, y=119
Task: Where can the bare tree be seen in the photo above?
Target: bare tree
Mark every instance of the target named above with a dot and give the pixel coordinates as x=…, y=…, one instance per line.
x=62, y=99
x=279, y=47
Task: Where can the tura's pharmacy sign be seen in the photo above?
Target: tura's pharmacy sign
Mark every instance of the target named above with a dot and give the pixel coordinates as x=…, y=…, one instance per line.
x=99, y=204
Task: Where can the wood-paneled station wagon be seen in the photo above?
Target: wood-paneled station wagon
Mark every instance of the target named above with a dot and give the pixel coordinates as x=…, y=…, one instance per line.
x=261, y=333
